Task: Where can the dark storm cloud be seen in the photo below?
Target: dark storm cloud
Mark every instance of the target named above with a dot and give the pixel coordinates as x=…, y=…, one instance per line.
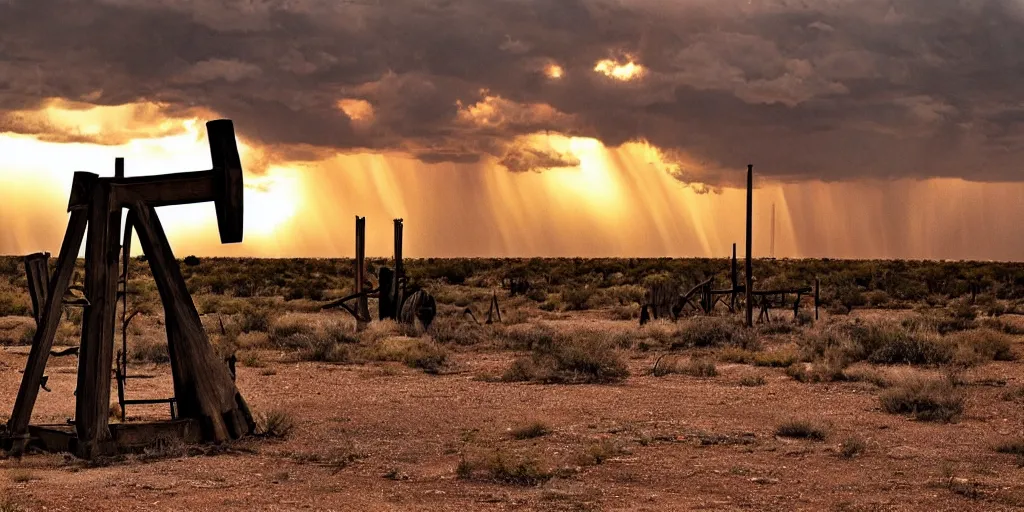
x=828, y=89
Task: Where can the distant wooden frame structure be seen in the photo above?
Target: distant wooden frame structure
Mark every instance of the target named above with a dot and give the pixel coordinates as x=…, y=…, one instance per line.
x=391, y=283
x=703, y=298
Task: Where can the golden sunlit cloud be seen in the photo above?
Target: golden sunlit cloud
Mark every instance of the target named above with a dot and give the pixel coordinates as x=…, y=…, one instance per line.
x=495, y=111
x=65, y=121
x=554, y=71
x=623, y=71
x=357, y=110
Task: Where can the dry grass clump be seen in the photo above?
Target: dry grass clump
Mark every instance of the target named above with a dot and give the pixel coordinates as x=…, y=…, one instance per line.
x=837, y=346
x=414, y=353
x=700, y=367
x=20, y=476
x=525, y=336
x=277, y=424
x=455, y=330
x=769, y=359
x=503, y=467
x=980, y=345
x=254, y=319
x=148, y=350
x=751, y=381
x=705, y=331
x=925, y=399
x=17, y=331
x=530, y=430
x=852, y=447
x=599, y=452
x=801, y=429
x=579, y=357
x=1012, y=447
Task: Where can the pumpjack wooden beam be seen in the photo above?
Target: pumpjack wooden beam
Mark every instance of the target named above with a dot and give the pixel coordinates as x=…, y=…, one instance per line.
x=209, y=404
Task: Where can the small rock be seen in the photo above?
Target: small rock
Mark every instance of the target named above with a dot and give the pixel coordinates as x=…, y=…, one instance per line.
x=764, y=481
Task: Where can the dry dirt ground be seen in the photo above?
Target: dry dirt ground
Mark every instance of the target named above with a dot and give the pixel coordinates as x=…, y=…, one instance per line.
x=382, y=436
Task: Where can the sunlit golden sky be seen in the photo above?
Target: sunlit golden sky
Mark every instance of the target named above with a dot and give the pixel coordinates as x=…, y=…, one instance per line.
x=589, y=128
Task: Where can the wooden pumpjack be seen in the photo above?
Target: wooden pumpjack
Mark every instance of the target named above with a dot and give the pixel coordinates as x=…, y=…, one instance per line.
x=209, y=405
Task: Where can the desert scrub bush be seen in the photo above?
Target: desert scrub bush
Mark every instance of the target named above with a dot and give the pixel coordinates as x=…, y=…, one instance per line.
x=530, y=430
x=577, y=298
x=1012, y=447
x=572, y=358
x=455, y=330
x=148, y=350
x=980, y=345
x=599, y=452
x=254, y=319
x=503, y=467
x=291, y=331
x=277, y=423
x=14, y=304
x=525, y=336
x=696, y=367
x=414, y=353
x=924, y=399
x=852, y=447
x=751, y=381
x=801, y=429
x=709, y=332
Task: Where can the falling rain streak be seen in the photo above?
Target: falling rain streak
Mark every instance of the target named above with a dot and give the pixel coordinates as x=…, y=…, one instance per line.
x=619, y=202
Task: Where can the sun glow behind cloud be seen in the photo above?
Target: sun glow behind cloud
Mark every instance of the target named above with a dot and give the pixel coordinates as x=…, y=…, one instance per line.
x=625, y=71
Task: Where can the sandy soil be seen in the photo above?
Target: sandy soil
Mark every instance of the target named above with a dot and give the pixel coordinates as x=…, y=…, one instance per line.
x=386, y=437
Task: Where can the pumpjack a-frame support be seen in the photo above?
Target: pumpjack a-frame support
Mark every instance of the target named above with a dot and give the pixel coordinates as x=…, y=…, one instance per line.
x=209, y=406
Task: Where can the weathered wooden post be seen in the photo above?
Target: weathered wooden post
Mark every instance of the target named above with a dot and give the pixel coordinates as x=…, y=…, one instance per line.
x=386, y=303
x=399, y=282
x=750, y=244
x=817, y=297
x=735, y=281
x=361, y=303
x=37, y=271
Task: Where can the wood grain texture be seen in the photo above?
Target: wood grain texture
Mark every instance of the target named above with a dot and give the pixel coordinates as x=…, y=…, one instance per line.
x=203, y=385
x=92, y=408
x=21, y=415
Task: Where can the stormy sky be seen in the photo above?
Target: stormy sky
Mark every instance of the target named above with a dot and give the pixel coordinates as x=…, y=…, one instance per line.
x=806, y=89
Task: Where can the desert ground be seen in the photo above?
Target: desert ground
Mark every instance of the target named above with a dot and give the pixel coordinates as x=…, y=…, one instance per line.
x=905, y=394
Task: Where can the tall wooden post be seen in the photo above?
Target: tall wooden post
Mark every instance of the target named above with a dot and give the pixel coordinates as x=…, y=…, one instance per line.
x=399, y=265
x=817, y=296
x=398, y=285
x=735, y=281
x=750, y=245
x=361, y=303
x=92, y=410
x=386, y=303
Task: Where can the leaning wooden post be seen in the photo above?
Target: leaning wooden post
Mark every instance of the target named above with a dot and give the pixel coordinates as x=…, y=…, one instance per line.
x=750, y=238
x=361, y=303
x=17, y=425
x=37, y=271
